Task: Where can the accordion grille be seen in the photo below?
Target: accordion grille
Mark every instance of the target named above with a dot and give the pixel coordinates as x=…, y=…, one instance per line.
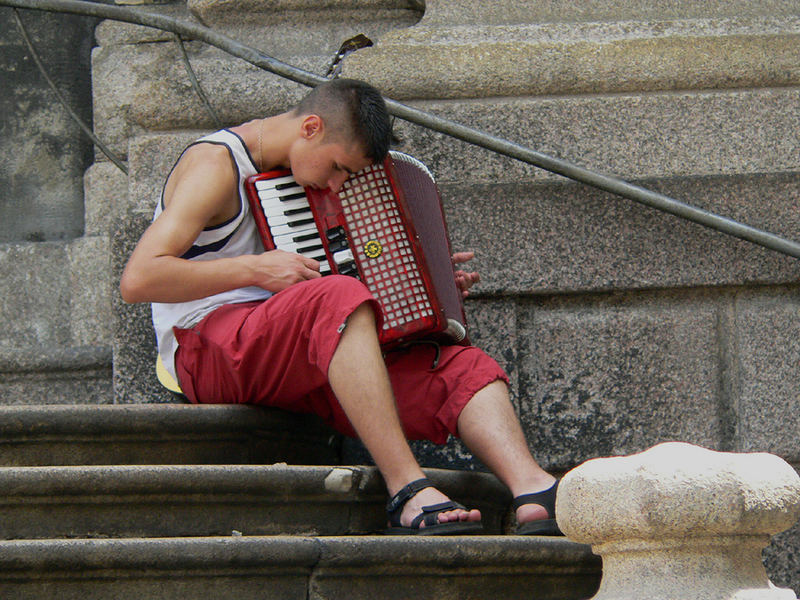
x=388, y=264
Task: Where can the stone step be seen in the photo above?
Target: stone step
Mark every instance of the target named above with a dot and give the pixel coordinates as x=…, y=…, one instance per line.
x=205, y=500
x=289, y=568
x=161, y=434
x=451, y=59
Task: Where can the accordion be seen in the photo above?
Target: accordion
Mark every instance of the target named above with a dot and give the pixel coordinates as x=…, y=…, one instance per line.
x=386, y=227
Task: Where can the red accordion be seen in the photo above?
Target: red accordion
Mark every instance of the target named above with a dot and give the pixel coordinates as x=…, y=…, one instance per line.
x=386, y=227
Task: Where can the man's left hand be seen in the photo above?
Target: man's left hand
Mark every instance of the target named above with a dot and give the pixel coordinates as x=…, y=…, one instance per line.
x=465, y=280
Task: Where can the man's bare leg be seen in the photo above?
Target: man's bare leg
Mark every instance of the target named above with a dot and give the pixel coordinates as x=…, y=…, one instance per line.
x=490, y=428
x=358, y=377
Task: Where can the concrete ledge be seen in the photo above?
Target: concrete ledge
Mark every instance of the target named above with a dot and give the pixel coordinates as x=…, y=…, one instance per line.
x=289, y=568
x=635, y=137
x=201, y=500
x=440, y=12
x=518, y=60
x=161, y=434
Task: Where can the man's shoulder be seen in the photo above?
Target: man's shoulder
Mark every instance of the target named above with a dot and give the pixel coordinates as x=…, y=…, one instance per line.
x=205, y=174
x=211, y=161
x=206, y=153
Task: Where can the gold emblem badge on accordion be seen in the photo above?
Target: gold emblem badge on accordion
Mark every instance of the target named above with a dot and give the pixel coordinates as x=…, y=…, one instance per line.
x=373, y=249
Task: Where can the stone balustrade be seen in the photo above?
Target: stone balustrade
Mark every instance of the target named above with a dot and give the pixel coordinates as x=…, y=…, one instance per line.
x=681, y=522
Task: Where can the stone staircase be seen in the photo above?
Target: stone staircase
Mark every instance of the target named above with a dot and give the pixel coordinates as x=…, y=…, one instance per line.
x=178, y=501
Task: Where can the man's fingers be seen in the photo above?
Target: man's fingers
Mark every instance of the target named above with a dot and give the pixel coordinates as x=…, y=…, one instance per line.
x=310, y=263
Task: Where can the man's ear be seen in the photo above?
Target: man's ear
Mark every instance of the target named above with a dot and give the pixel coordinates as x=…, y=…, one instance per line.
x=311, y=126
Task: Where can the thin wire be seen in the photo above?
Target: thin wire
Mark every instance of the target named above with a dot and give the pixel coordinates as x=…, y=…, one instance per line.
x=111, y=156
x=196, y=83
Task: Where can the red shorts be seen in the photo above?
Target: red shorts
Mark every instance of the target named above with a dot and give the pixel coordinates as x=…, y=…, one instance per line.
x=277, y=352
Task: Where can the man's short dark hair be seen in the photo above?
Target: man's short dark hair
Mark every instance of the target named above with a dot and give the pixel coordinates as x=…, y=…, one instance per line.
x=354, y=109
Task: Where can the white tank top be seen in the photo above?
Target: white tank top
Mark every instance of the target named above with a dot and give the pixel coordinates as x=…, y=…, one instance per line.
x=235, y=237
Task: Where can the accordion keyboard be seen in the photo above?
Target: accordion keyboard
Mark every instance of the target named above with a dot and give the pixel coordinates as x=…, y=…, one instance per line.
x=292, y=227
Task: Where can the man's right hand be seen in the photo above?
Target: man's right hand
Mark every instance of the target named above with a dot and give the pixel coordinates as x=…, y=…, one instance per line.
x=276, y=270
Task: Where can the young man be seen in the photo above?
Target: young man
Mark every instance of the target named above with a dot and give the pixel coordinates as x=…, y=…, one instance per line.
x=236, y=324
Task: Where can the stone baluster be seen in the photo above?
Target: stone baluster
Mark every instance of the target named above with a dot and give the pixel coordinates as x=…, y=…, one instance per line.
x=680, y=522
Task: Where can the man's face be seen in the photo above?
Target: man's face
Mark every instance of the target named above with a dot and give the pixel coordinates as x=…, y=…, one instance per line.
x=320, y=160
x=327, y=165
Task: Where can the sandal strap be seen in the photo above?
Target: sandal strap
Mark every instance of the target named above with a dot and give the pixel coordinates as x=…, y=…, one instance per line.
x=546, y=498
x=404, y=495
x=430, y=514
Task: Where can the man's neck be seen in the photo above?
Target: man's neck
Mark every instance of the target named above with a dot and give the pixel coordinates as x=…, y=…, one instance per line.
x=274, y=138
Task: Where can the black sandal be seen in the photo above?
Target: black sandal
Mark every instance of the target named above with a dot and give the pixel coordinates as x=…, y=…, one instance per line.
x=547, y=499
x=429, y=515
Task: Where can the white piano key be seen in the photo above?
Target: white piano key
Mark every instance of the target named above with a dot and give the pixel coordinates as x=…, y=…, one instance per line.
x=277, y=196
x=290, y=230
x=308, y=233
x=271, y=184
x=290, y=220
x=312, y=251
x=271, y=210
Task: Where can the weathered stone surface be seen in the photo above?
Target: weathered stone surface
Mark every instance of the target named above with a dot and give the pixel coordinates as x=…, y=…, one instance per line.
x=691, y=523
x=782, y=558
x=141, y=87
x=296, y=27
x=90, y=314
x=767, y=338
x=207, y=500
x=478, y=569
x=110, y=33
x=616, y=375
x=106, y=187
x=43, y=152
x=442, y=12
x=469, y=49
x=126, y=434
x=691, y=133
x=55, y=375
x=34, y=292
x=134, y=340
x=678, y=491
x=518, y=60
x=555, y=238
x=159, y=568
x=301, y=568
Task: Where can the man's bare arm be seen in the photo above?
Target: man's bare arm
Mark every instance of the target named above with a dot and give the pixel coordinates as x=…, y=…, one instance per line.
x=202, y=191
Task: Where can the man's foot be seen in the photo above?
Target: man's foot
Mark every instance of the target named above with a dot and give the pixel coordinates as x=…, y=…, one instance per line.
x=421, y=509
x=536, y=512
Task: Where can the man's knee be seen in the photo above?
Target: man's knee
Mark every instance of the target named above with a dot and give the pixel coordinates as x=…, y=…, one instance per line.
x=336, y=293
x=334, y=287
